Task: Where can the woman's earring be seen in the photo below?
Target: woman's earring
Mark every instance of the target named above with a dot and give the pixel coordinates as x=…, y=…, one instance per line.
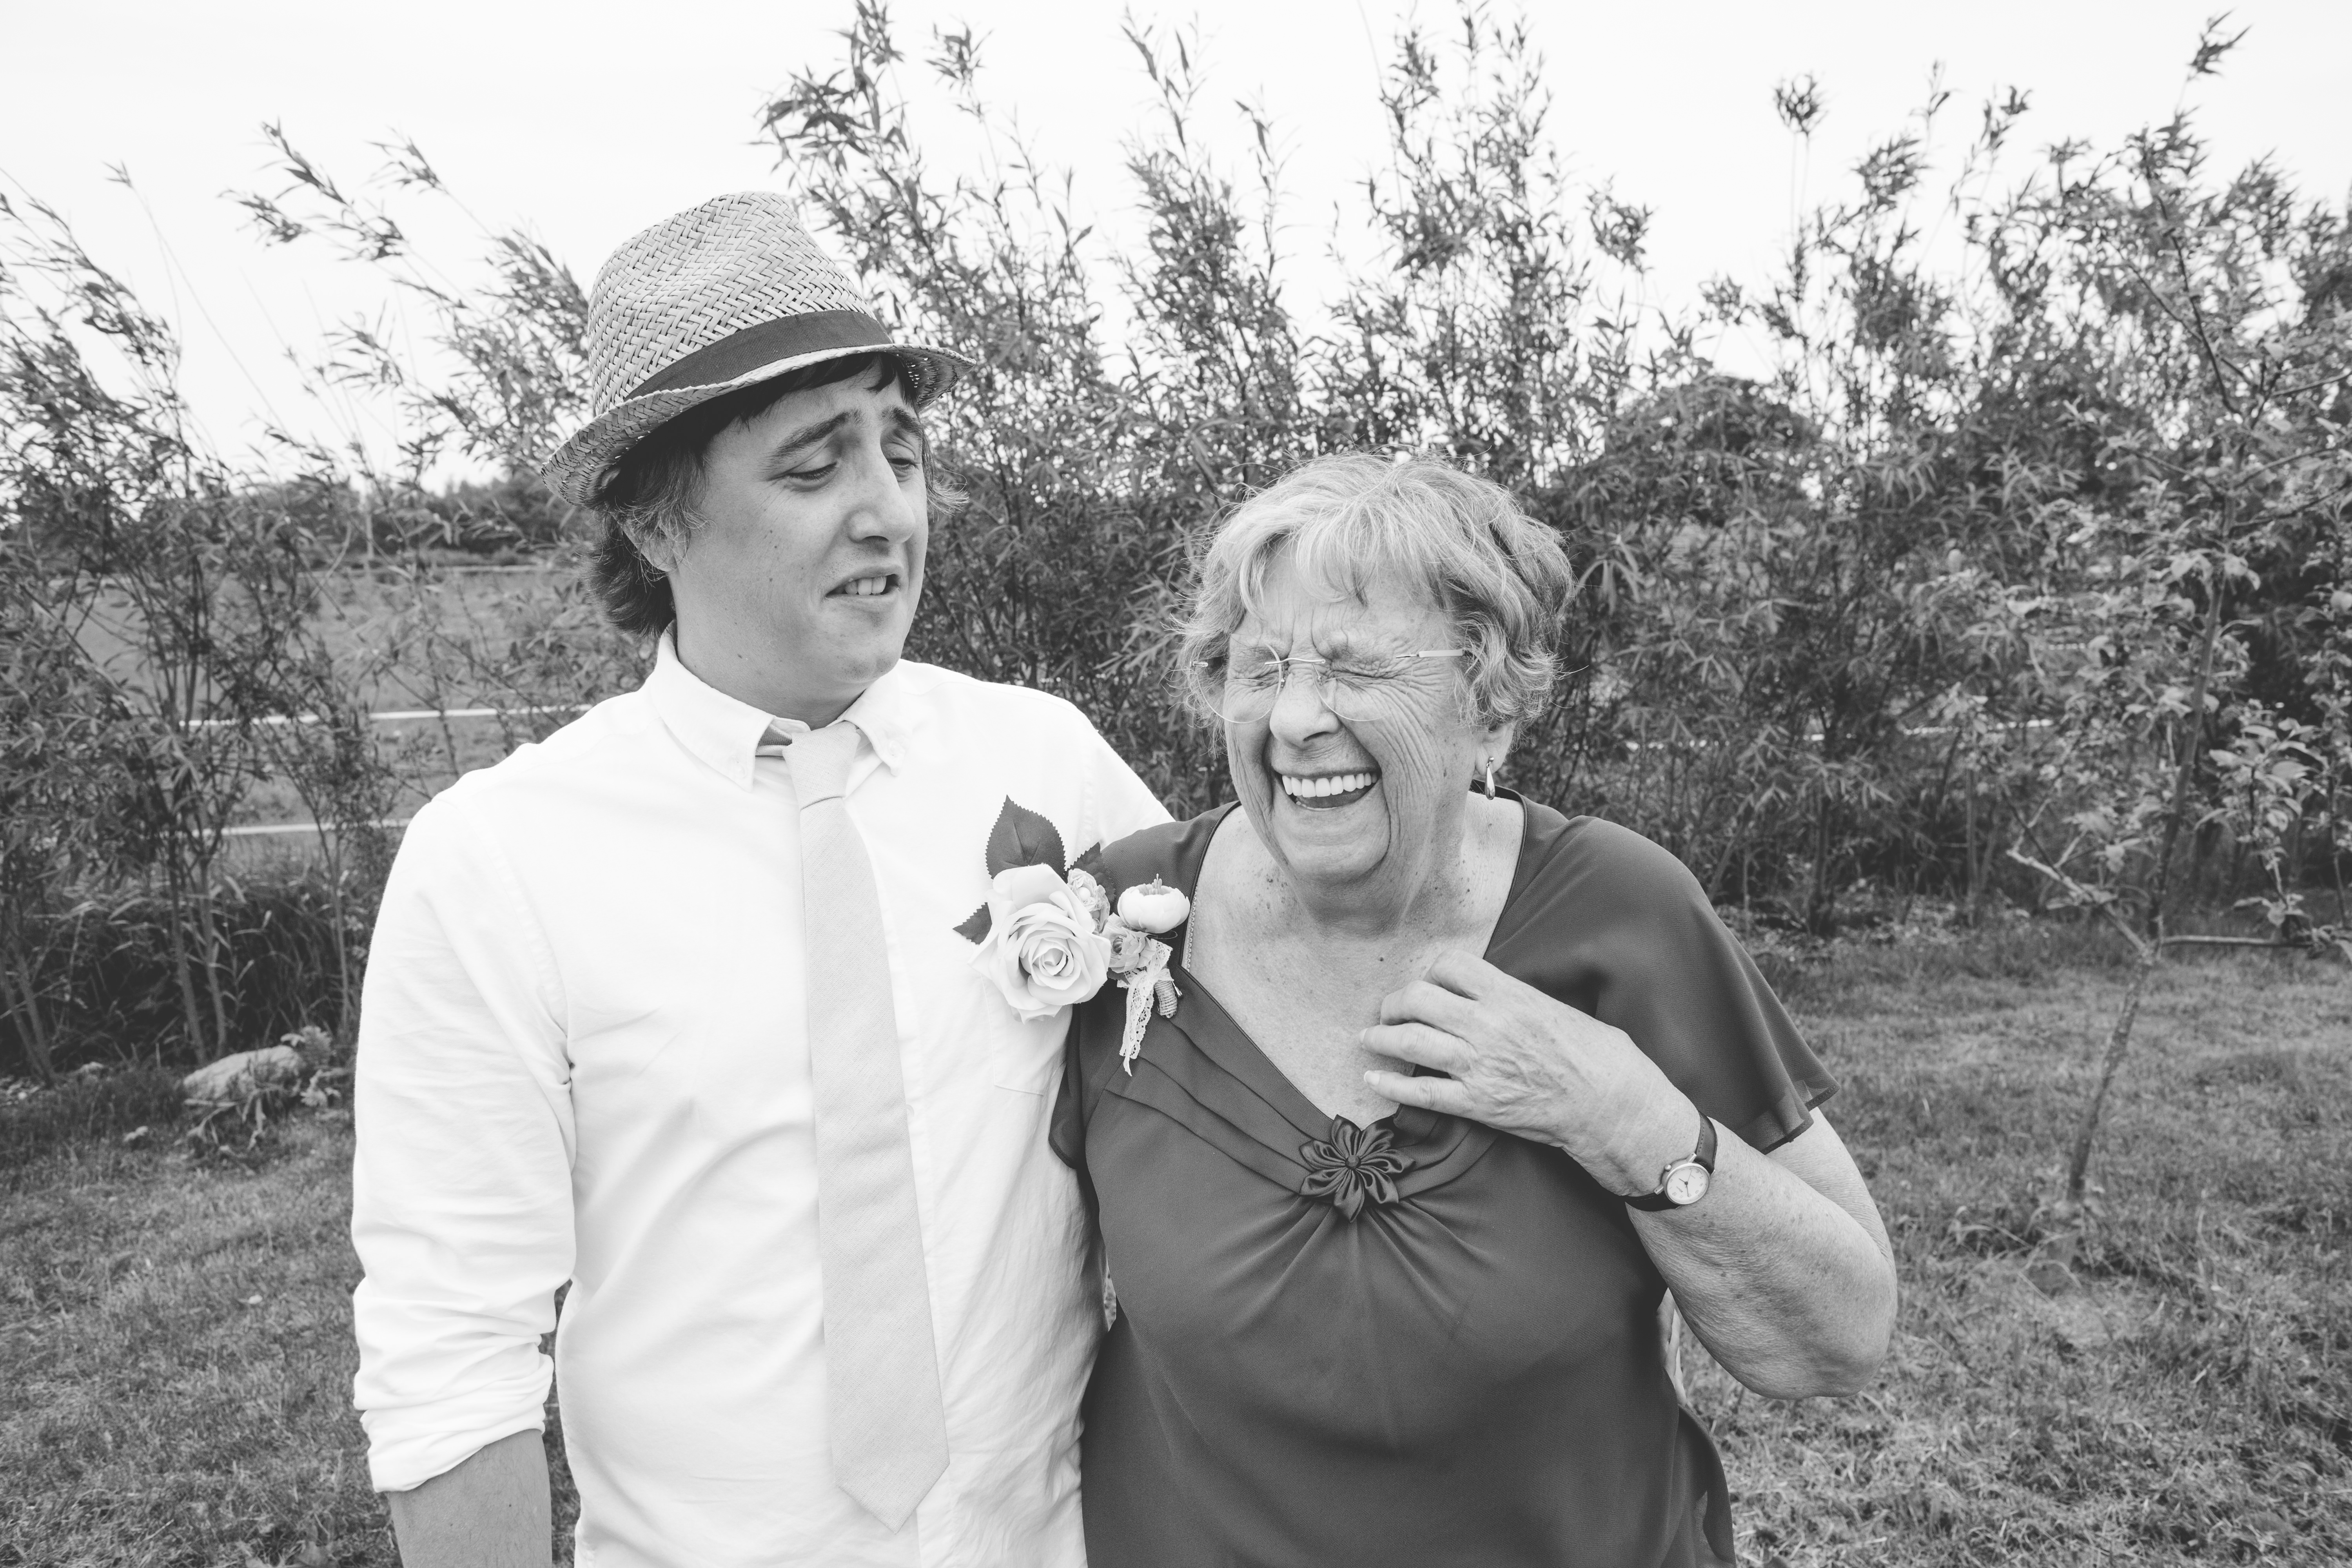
x=1490, y=777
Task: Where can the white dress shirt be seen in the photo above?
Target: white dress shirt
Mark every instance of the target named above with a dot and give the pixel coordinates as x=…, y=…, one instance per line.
x=584, y=1057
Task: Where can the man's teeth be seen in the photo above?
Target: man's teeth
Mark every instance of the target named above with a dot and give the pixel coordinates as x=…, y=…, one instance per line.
x=866, y=587
x=1327, y=784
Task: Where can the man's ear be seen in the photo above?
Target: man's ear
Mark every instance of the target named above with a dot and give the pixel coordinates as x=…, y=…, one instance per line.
x=662, y=547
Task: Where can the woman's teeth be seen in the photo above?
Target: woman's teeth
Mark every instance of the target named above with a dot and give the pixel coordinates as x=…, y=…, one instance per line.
x=1326, y=784
x=864, y=587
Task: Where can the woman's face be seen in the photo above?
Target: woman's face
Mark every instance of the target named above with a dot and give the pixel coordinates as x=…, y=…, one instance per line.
x=1405, y=755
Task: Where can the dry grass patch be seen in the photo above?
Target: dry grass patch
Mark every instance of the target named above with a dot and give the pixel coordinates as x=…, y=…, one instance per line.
x=2176, y=1389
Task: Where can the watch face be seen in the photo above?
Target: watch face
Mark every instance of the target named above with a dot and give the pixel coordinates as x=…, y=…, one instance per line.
x=1687, y=1184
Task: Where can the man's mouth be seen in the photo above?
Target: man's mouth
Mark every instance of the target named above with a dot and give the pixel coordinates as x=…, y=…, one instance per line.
x=1327, y=792
x=869, y=587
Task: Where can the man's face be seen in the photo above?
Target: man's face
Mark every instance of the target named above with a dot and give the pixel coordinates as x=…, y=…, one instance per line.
x=795, y=592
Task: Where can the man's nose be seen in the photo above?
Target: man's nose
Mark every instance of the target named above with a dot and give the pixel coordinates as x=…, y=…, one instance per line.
x=882, y=508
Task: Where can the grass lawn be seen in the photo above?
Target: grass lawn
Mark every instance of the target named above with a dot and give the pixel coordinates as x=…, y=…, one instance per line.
x=176, y=1361
x=2186, y=1393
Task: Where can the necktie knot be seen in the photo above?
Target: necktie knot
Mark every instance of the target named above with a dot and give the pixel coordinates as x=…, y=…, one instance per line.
x=820, y=762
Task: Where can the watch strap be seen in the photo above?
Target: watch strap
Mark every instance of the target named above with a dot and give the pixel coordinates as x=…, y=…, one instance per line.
x=1703, y=1157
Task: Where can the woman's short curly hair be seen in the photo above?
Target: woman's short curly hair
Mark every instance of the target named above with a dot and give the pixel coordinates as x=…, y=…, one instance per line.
x=1348, y=521
x=651, y=491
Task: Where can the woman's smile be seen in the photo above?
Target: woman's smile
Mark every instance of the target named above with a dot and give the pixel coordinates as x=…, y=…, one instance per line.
x=1327, y=792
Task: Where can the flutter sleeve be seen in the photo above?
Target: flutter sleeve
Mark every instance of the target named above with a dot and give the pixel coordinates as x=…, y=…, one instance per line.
x=1616, y=926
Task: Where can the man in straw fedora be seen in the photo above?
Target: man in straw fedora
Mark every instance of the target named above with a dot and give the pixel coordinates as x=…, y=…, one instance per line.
x=673, y=1006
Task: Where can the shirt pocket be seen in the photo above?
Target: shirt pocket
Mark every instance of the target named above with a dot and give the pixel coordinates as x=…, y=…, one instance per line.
x=1029, y=1057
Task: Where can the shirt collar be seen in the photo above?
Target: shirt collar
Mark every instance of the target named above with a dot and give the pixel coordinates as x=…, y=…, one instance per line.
x=727, y=733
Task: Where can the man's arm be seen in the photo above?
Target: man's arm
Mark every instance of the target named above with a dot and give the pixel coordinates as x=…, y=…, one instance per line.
x=491, y=1511
x=1123, y=804
x=461, y=1209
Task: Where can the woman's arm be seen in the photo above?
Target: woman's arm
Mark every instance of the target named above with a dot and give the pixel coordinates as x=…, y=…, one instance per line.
x=1782, y=1269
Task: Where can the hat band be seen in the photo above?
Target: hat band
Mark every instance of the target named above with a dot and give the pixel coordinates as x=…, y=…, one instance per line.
x=739, y=353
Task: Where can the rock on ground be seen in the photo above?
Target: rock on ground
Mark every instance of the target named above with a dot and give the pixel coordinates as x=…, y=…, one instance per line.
x=234, y=1077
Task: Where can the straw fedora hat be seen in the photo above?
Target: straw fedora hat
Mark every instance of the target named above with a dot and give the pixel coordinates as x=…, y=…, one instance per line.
x=724, y=295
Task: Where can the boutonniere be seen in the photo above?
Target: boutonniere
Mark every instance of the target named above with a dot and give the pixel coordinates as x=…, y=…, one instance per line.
x=1144, y=913
x=1051, y=936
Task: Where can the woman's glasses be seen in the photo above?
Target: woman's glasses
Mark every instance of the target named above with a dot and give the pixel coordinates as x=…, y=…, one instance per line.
x=1356, y=687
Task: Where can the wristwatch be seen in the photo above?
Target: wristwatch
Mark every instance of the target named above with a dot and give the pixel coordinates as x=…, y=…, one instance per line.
x=1685, y=1181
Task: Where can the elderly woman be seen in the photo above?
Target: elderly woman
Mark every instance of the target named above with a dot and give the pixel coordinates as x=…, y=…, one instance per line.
x=1454, y=1089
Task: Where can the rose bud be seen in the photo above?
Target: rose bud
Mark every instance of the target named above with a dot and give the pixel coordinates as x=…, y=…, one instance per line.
x=1154, y=907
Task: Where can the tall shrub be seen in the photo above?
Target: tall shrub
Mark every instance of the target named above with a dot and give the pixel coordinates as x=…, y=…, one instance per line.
x=163, y=602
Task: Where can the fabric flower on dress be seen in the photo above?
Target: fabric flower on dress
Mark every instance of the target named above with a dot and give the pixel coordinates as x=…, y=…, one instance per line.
x=1359, y=1164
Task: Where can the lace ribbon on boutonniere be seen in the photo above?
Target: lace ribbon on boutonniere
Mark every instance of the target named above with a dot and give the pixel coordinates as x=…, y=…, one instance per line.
x=1141, y=965
x=1140, y=961
x=1355, y=1166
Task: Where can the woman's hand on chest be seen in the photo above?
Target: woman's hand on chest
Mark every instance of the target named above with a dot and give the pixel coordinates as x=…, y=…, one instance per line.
x=1303, y=988
x=1303, y=1003
x=1523, y=1063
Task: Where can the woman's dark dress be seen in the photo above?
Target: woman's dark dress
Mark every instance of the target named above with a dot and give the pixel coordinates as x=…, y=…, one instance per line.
x=1469, y=1371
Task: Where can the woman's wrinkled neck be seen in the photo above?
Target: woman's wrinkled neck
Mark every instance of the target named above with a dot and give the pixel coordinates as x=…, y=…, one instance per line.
x=1413, y=892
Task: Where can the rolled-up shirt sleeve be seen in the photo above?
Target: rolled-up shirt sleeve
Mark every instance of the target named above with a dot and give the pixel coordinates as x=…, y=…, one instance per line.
x=461, y=1182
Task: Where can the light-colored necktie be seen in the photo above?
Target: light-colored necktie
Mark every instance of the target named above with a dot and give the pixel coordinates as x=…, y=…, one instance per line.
x=881, y=1359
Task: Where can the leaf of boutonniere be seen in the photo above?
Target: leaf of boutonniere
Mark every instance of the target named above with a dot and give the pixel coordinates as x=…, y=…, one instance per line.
x=1023, y=837
x=976, y=926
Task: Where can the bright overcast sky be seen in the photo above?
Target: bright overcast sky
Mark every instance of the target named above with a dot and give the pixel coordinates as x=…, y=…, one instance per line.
x=588, y=120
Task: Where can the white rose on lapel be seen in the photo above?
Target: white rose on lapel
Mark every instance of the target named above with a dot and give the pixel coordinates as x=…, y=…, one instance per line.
x=1043, y=951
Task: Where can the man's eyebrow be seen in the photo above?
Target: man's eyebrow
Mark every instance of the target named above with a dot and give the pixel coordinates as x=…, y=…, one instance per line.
x=901, y=420
x=814, y=432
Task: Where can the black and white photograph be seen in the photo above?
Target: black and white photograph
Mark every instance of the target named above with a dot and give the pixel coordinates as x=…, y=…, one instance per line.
x=1006, y=783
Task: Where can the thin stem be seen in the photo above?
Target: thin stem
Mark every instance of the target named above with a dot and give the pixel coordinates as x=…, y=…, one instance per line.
x=2086, y=1132
x=2186, y=769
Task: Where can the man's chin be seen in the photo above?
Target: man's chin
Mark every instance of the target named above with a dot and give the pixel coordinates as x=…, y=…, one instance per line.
x=867, y=660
